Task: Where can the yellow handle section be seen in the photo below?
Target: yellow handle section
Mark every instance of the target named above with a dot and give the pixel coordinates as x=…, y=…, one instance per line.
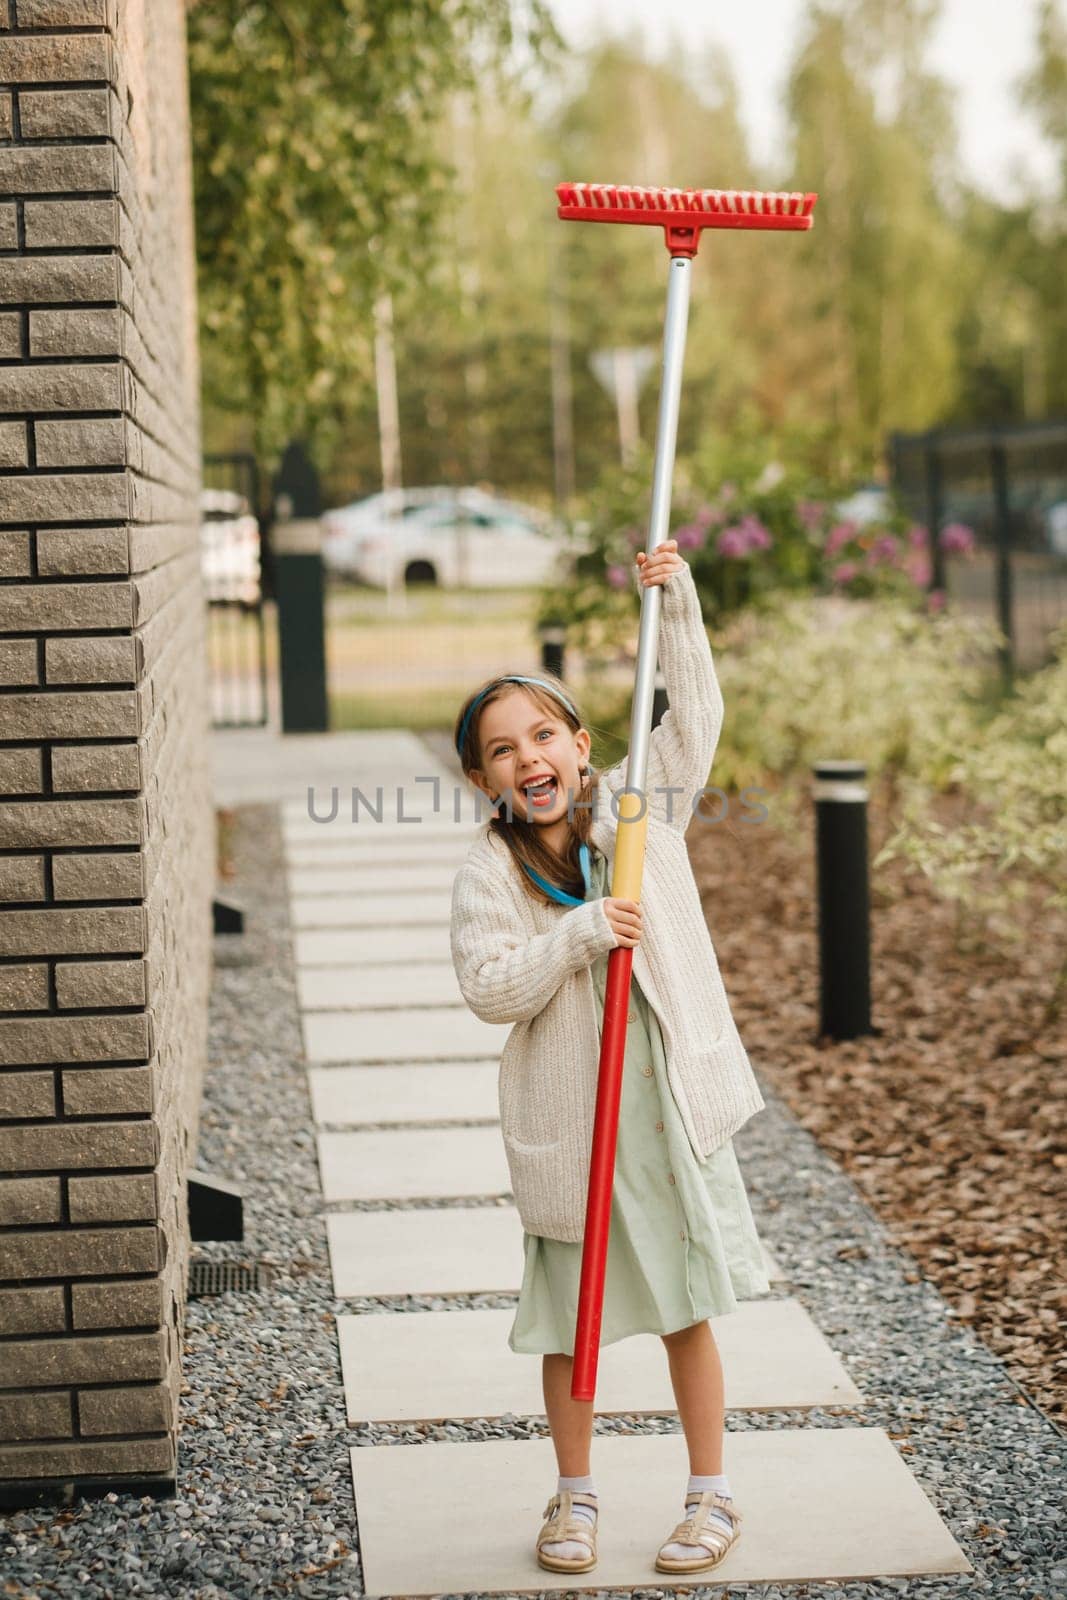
x=629, y=847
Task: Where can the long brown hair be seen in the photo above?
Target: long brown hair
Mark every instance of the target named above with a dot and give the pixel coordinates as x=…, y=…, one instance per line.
x=523, y=838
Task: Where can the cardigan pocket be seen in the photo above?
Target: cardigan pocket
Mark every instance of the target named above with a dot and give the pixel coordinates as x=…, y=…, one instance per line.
x=536, y=1172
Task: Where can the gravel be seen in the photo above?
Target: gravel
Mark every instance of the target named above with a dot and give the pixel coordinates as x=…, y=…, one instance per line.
x=265, y=1503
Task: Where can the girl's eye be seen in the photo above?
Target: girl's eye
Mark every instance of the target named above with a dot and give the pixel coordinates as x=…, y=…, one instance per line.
x=503, y=747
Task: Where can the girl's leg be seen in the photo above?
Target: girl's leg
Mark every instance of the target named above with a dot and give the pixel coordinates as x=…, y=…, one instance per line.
x=696, y=1375
x=570, y=1421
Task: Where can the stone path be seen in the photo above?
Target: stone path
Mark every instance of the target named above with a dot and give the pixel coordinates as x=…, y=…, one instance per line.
x=403, y=1087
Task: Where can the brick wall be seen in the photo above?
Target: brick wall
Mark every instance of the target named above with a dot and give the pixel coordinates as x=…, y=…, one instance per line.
x=106, y=832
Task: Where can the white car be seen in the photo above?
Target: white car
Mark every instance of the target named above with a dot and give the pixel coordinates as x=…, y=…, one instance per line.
x=469, y=540
x=229, y=548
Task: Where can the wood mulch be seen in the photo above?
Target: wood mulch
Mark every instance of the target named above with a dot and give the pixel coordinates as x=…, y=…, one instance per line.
x=949, y=1118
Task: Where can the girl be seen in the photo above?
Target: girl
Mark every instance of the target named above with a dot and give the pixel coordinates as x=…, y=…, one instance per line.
x=682, y=1246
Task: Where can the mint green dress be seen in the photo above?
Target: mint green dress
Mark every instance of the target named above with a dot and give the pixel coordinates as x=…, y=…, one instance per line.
x=682, y=1244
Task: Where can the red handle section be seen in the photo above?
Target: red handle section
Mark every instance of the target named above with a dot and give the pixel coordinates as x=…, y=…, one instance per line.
x=601, y=1173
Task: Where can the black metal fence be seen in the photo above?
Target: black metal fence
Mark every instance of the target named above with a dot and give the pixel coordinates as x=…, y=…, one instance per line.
x=235, y=562
x=1009, y=485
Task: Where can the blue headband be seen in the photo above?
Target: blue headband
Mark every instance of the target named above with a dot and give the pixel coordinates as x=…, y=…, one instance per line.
x=512, y=677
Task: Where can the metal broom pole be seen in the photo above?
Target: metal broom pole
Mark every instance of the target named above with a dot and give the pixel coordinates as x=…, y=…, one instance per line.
x=682, y=213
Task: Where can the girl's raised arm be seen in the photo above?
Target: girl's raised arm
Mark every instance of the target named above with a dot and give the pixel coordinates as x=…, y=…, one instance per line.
x=681, y=749
x=504, y=975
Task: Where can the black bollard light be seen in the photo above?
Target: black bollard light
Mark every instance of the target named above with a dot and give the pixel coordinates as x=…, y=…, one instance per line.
x=840, y=794
x=553, y=636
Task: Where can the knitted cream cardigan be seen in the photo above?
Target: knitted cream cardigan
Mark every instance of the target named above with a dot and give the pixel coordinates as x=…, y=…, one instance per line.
x=519, y=960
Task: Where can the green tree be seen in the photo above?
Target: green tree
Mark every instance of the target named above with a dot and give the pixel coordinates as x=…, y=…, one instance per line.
x=319, y=183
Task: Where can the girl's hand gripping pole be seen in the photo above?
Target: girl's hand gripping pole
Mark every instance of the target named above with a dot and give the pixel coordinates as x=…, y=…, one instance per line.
x=683, y=214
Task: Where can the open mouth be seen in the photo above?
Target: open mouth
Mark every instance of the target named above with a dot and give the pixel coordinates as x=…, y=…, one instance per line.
x=541, y=793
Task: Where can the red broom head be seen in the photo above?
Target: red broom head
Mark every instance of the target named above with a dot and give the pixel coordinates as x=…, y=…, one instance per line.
x=683, y=213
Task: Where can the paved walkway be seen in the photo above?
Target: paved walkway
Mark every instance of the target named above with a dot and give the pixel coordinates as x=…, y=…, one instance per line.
x=415, y=1194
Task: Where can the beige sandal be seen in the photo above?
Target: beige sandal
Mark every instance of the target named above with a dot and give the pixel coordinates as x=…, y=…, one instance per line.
x=709, y=1538
x=561, y=1525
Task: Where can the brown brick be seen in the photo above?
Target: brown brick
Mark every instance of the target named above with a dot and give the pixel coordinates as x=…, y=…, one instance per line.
x=95, y=930
x=34, y=607
x=30, y=279
x=20, y=771
x=23, y=988
x=37, y=1201
x=14, y=446
x=96, y=660
x=86, y=1458
x=63, y=14
x=115, y=1305
x=64, y=113
x=33, y=1310
x=21, y=878
x=14, y=551
x=81, y=442
x=119, y=1197
x=36, y=1416
x=59, y=822
x=71, y=716
x=81, y=1253
x=107, y=1091
x=73, y=333
x=6, y=116
x=32, y=1147
x=74, y=387
x=109, y=875
x=28, y=1040
x=95, y=767
x=148, y=1409
x=56, y=497
x=63, y=552
x=24, y=1094
x=18, y=661
x=92, y=1358
x=84, y=985
x=9, y=232
x=54, y=169
x=63, y=224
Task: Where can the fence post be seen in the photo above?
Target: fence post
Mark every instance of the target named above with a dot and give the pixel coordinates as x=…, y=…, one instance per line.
x=934, y=508
x=998, y=467
x=840, y=796
x=301, y=603
x=553, y=636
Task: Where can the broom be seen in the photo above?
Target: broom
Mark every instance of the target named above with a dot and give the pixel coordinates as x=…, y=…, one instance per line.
x=683, y=214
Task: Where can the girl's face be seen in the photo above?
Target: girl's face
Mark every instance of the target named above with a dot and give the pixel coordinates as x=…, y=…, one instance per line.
x=520, y=743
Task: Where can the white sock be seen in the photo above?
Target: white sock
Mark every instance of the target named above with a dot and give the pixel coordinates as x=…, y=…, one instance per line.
x=701, y=1484
x=570, y=1549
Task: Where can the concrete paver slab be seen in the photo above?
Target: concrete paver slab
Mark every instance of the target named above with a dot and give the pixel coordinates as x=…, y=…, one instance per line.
x=319, y=882
x=387, y=946
x=355, y=988
x=359, y=910
x=446, y=1365
x=818, y=1504
x=443, y=1250
x=462, y=1091
x=425, y=1033
x=413, y=1164
x=423, y=1250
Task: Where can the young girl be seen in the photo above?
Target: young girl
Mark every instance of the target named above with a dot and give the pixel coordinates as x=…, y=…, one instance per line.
x=532, y=924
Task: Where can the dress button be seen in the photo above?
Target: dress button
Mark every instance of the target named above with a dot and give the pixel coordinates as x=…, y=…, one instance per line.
x=659, y=1127
x=631, y=1016
x=682, y=1237
x=648, y=1073
x=670, y=1177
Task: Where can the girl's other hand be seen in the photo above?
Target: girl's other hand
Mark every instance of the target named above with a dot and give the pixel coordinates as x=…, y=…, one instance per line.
x=658, y=567
x=625, y=919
